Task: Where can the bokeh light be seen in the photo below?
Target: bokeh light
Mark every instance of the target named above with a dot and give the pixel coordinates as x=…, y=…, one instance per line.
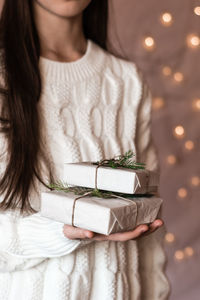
x=166, y=19
x=179, y=131
x=196, y=104
x=149, y=43
x=167, y=71
x=158, y=103
x=189, y=145
x=171, y=159
x=182, y=192
x=169, y=237
x=189, y=251
x=195, y=180
x=178, y=77
x=179, y=255
x=197, y=10
x=193, y=40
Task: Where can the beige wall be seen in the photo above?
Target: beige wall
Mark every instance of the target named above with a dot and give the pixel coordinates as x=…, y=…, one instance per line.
x=131, y=21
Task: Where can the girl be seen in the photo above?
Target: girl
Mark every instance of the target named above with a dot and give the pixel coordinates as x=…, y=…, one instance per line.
x=64, y=98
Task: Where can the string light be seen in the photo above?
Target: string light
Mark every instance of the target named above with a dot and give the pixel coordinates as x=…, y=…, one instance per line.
x=169, y=237
x=178, y=77
x=158, y=103
x=179, y=255
x=179, y=131
x=195, y=181
x=188, y=251
x=182, y=193
x=197, y=10
x=193, y=41
x=196, y=104
x=189, y=145
x=149, y=43
x=166, y=19
x=171, y=159
x=167, y=71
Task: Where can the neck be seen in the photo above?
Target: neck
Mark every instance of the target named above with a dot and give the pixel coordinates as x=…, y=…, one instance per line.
x=61, y=38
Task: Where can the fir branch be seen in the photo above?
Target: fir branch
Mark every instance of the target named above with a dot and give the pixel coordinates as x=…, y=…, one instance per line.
x=124, y=161
x=77, y=190
x=60, y=186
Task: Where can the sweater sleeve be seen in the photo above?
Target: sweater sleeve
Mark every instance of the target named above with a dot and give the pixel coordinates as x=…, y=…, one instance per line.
x=34, y=236
x=26, y=241
x=152, y=257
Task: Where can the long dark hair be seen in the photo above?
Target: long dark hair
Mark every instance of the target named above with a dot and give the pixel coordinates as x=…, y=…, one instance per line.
x=20, y=51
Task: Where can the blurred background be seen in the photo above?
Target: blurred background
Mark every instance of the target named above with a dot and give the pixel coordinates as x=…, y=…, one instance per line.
x=163, y=39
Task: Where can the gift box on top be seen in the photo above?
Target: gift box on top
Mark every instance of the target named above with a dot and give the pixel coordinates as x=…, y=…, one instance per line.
x=101, y=215
x=120, y=179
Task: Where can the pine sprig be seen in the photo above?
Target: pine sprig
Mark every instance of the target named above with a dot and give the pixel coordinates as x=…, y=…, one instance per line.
x=124, y=161
x=78, y=190
x=60, y=186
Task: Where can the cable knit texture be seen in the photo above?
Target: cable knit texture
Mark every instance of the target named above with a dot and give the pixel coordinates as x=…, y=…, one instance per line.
x=92, y=108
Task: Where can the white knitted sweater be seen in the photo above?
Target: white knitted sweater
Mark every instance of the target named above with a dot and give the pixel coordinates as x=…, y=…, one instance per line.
x=90, y=109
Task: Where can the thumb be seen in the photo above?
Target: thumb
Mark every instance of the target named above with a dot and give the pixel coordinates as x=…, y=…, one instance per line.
x=72, y=232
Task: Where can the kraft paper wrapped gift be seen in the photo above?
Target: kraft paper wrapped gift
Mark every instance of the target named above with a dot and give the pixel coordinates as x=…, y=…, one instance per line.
x=121, y=180
x=99, y=214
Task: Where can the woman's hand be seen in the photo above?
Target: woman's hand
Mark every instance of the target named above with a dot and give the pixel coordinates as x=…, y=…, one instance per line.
x=78, y=233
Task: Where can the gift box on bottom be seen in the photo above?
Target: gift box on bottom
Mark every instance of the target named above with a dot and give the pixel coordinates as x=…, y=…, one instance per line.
x=101, y=215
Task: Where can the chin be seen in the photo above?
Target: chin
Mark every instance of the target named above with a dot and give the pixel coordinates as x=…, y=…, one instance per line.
x=65, y=8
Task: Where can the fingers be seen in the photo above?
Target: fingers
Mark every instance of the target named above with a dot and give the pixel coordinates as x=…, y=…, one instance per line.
x=141, y=230
x=123, y=236
x=76, y=233
x=129, y=235
x=154, y=226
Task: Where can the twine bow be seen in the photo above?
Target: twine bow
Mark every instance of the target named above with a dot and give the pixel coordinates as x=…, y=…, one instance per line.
x=116, y=163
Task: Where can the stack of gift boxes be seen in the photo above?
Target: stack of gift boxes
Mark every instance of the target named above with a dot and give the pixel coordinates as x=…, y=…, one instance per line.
x=103, y=199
